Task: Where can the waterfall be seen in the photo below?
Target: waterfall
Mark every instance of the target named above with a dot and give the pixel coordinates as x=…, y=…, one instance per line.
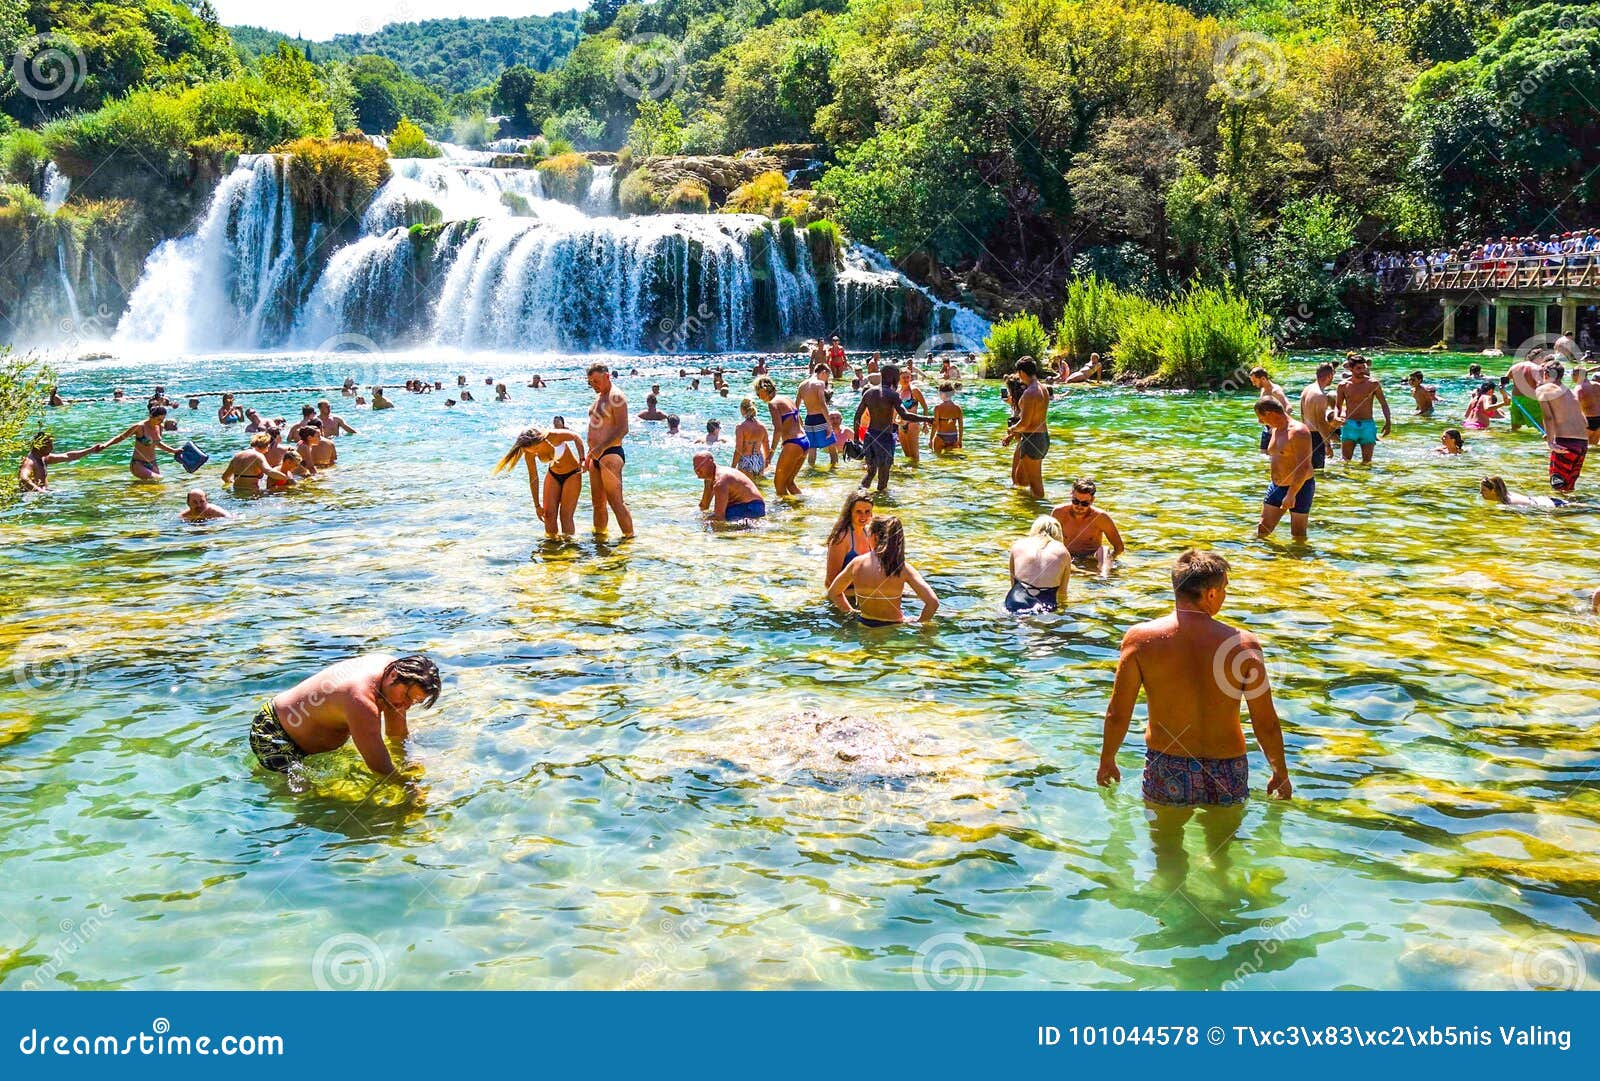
x=69, y=293
x=451, y=252
x=57, y=185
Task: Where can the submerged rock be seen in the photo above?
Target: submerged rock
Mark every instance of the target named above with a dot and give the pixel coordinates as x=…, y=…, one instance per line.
x=842, y=750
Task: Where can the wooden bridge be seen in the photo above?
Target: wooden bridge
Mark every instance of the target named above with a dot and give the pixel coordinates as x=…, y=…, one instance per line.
x=1492, y=292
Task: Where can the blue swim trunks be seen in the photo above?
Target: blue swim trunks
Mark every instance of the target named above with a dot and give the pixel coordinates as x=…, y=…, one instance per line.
x=741, y=512
x=1364, y=432
x=1175, y=781
x=1277, y=493
x=819, y=435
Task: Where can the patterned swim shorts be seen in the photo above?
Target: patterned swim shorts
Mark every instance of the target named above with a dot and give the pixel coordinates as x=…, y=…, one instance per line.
x=1175, y=781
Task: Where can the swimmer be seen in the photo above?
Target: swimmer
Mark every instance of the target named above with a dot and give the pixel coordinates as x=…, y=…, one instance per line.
x=1040, y=568
x=913, y=399
x=838, y=364
x=673, y=423
x=501, y=394
x=364, y=700
x=1261, y=379
x=466, y=396
x=146, y=441
x=1451, y=441
x=1524, y=377
x=379, y=401
x=34, y=474
x=786, y=430
x=1194, y=671
x=729, y=495
x=256, y=424
x=1474, y=371
x=1424, y=396
x=1353, y=404
x=650, y=410
x=1566, y=431
x=1494, y=490
x=752, y=447
x=292, y=468
x=1316, y=411
x=333, y=425
x=850, y=536
x=316, y=452
x=811, y=397
x=1484, y=407
x=1293, y=480
x=199, y=509
x=608, y=426
x=562, y=452
x=1089, y=534
x=1030, y=429
x=227, y=412
x=949, y=422
x=1588, y=393
x=55, y=401
x=880, y=577
x=247, y=469
x=713, y=434
x=881, y=406
x=116, y=395
x=194, y=404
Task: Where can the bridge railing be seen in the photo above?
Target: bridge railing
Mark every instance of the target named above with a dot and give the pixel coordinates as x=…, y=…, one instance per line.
x=1530, y=272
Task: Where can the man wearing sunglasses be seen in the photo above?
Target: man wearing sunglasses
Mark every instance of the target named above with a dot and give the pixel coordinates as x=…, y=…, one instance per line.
x=1089, y=534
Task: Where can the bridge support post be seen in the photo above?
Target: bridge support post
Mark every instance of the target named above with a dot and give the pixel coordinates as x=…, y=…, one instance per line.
x=1569, y=317
x=1541, y=319
x=1449, y=307
x=1502, y=324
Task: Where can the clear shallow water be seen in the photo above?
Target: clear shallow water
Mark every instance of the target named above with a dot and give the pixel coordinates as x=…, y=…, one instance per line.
x=612, y=798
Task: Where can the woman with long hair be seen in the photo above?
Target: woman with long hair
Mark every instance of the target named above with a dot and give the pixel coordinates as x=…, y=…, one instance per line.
x=562, y=452
x=1494, y=490
x=1040, y=568
x=850, y=537
x=1483, y=408
x=788, y=432
x=880, y=578
x=146, y=441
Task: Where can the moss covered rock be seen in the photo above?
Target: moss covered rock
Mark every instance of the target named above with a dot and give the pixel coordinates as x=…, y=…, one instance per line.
x=334, y=179
x=650, y=185
x=566, y=177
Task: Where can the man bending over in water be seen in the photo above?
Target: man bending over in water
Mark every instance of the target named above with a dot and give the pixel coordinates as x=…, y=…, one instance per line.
x=362, y=699
x=729, y=495
x=1194, y=671
x=608, y=425
x=1089, y=534
x=1293, y=478
x=881, y=405
x=1031, y=429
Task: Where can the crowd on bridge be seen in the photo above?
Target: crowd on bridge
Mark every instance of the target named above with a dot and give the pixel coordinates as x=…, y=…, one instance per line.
x=1580, y=244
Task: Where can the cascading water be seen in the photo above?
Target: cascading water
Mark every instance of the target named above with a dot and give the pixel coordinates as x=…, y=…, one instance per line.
x=57, y=186
x=454, y=253
x=68, y=292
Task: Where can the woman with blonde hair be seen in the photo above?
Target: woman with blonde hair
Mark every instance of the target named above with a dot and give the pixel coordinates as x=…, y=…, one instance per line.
x=1040, y=568
x=752, y=447
x=787, y=430
x=563, y=454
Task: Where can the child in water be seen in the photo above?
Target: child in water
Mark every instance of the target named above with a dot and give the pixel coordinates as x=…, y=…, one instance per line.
x=1424, y=396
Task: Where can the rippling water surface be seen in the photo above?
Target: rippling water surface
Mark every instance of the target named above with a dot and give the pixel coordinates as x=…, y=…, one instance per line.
x=612, y=796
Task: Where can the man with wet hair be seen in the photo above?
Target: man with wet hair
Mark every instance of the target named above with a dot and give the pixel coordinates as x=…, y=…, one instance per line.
x=881, y=405
x=364, y=699
x=1194, y=670
x=1031, y=429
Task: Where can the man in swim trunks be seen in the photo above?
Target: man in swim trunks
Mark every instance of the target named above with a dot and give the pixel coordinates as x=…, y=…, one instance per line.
x=1353, y=404
x=1314, y=411
x=812, y=398
x=881, y=405
x=729, y=495
x=1525, y=378
x=1566, y=430
x=608, y=426
x=1588, y=393
x=1089, y=534
x=34, y=473
x=333, y=425
x=1293, y=477
x=1261, y=379
x=1194, y=670
x=1031, y=429
x=363, y=699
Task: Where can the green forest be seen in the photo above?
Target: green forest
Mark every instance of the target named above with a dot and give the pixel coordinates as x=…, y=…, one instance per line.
x=1000, y=147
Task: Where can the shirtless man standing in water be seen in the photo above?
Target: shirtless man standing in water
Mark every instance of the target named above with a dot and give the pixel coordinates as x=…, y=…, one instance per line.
x=1589, y=401
x=812, y=398
x=1031, y=428
x=1194, y=671
x=608, y=425
x=1566, y=431
x=1293, y=479
x=881, y=405
x=1354, y=403
x=363, y=699
x=1314, y=410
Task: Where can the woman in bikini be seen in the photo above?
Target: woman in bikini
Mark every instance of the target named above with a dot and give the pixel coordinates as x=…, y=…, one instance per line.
x=851, y=536
x=1494, y=490
x=146, y=441
x=880, y=578
x=1484, y=407
x=1040, y=567
x=227, y=412
x=912, y=398
x=752, y=447
x=563, y=454
x=786, y=429
x=250, y=466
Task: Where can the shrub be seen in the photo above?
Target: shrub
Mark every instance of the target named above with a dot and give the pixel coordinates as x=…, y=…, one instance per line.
x=262, y=113
x=335, y=177
x=144, y=129
x=1093, y=316
x=566, y=177
x=762, y=195
x=1009, y=342
x=23, y=156
x=1142, y=342
x=474, y=129
x=1215, y=336
x=825, y=241
x=407, y=141
x=636, y=194
x=687, y=197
